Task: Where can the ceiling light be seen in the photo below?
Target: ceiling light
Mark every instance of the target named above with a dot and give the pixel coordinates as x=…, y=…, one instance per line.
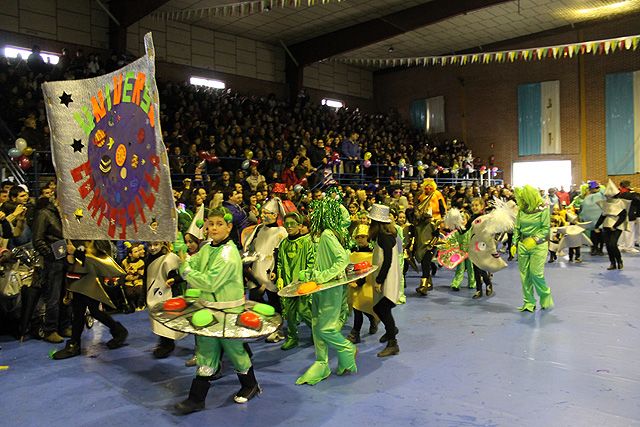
x=390, y=50
x=617, y=7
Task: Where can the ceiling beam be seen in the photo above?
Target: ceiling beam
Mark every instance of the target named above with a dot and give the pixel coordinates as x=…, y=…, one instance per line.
x=383, y=28
x=128, y=12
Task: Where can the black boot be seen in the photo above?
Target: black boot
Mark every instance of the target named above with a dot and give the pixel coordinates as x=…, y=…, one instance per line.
x=354, y=336
x=620, y=265
x=249, y=388
x=391, y=349
x=197, y=395
x=386, y=337
x=119, y=334
x=164, y=348
x=478, y=294
x=489, y=289
x=72, y=349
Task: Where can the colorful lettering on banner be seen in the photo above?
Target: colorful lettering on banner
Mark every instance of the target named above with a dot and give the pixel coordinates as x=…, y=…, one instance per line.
x=118, y=177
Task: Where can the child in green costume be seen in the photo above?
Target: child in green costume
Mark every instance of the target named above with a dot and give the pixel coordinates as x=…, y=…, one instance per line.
x=457, y=220
x=331, y=259
x=530, y=238
x=216, y=270
x=295, y=253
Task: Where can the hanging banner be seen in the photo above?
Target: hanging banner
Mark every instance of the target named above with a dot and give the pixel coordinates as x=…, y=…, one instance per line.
x=602, y=47
x=238, y=9
x=110, y=161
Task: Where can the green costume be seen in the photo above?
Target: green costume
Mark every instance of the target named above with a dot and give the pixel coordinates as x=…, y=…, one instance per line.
x=461, y=237
x=217, y=272
x=294, y=255
x=530, y=236
x=331, y=260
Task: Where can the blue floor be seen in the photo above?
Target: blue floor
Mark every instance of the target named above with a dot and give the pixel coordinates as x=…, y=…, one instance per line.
x=462, y=363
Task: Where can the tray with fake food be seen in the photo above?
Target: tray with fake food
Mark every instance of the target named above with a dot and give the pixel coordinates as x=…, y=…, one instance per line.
x=352, y=273
x=189, y=314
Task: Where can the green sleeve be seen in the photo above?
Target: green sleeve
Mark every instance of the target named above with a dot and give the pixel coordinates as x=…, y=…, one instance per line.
x=516, y=230
x=329, y=248
x=310, y=250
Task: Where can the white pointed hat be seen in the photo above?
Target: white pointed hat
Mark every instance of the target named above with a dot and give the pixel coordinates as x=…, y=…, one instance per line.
x=198, y=219
x=612, y=189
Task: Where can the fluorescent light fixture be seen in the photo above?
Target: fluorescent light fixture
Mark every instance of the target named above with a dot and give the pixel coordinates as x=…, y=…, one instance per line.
x=617, y=7
x=13, y=52
x=201, y=81
x=333, y=103
x=543, y=175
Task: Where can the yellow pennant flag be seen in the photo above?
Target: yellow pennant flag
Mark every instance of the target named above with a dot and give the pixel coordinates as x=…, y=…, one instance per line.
x=607, y=46
x=555, y=52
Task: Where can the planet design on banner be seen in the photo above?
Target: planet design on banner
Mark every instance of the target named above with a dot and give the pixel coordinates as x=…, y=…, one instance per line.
x=116, y=170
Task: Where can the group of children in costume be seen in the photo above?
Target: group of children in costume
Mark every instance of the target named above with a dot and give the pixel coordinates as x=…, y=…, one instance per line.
x=284, y=248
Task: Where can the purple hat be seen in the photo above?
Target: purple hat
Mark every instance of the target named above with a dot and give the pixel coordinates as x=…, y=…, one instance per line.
x=593, y=184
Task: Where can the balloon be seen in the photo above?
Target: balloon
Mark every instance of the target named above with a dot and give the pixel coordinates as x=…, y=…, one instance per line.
x=24, y=163
x=367, y=155
x=21, y=144
x=28, y=151
x=420, y=168
x=357, y=168
x=253, y=162
x=303, y=181
x=367, y=163
x=204, y=155
x=419, y=163
x=337, y=162
x=298, y=188
x=14, y=153
x=335, y=156
x=402, y=162
x=248, y=154
x=246, y=164
x=213, y=160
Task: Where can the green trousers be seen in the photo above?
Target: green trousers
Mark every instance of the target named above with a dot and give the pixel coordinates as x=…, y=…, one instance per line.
x=208, y=353
x=531, y=265
x=459, y=274
x=326, y=308
x=296, y=310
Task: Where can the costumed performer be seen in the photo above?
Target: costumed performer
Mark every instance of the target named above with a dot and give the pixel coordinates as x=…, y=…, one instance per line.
x=327, y=225
x=457, y=221
x=614, y=221
x=216, y=270
x=590, y=211
x=260, y=244
x=361, y=291
x=88, y=263
x=426, y=233
x=531, y=234
x=160, y=278
x=433, y=199
x=479, y=275
x=387, y=252
x=295, y=253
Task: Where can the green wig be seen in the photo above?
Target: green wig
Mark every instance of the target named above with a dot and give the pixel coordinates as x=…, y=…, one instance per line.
x=329, y=214
x=528, y=198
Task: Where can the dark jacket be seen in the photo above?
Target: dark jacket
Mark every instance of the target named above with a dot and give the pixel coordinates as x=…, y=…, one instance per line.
x=47, y=229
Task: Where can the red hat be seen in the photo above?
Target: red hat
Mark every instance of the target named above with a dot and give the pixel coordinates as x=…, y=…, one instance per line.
x=279, y=188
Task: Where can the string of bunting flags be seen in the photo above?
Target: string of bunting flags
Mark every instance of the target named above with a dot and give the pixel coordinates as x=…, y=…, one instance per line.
x=595, y=47
x=238, y=9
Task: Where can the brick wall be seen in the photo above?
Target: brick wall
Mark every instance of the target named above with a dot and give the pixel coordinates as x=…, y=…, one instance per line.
x=481, y=100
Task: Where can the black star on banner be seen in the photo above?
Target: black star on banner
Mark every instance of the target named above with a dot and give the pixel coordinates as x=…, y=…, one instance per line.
x=65, y=99
x=77, y=146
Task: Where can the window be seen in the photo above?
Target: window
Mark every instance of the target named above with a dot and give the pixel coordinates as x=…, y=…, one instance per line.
x=546, y=174
x=13, y=52
x=201, y=81
x=333, y=103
